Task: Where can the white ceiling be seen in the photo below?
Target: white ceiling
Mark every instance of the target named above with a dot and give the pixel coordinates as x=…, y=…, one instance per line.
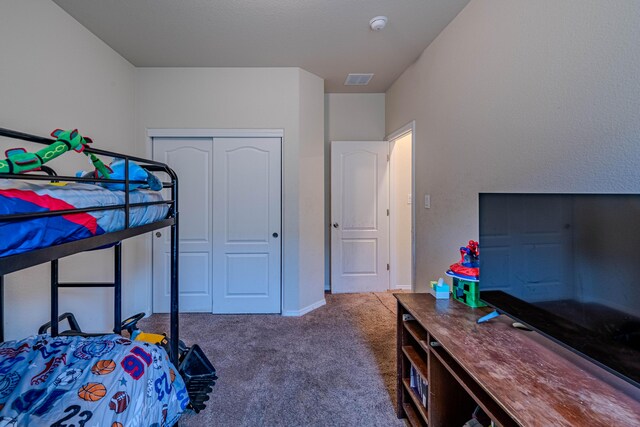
x=329, y=38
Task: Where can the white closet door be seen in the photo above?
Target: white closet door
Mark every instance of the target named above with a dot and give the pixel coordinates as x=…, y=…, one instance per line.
x=192, y=159
x=246, y=225
x=359, y=212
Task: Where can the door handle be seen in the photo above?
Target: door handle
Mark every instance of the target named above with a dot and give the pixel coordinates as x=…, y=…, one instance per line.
x=335, y=225
x=275, y=235
x=158, y=234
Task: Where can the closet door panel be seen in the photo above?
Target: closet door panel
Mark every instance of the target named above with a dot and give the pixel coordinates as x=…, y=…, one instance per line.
x=246, y=225
x=192, y=159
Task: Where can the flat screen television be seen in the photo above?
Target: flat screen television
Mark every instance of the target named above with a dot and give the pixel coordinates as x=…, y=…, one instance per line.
x=568, y=266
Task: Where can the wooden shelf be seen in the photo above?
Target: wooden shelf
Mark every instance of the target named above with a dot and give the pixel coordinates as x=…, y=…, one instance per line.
x=413, y=418
x=416, y=400
x=535, y=373
x=452, y=394
x=481, y=397
x=416, y=360
x=415, y=330
x=425, y=345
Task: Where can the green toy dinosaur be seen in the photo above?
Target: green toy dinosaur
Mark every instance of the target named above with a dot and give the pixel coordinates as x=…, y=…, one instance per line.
x=19, y=161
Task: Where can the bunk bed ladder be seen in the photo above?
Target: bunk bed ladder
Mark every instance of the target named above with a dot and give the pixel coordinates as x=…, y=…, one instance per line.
x=116, y=285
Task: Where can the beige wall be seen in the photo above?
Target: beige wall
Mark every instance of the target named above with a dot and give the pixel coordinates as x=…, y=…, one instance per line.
x=311, y=174
x=519, y=96
x=354, y=116
x=348, y=117
x=56, y=74
x=246, y=98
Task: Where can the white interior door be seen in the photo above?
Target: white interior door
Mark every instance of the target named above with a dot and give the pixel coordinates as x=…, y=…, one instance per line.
x=246, y=225
x=359, y=211
x=192, y=159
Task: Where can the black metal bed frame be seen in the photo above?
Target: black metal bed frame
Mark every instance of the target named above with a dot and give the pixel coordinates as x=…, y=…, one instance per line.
x=52, y=254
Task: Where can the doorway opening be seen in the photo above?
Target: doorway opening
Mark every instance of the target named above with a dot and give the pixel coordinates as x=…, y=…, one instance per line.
x=402, y=211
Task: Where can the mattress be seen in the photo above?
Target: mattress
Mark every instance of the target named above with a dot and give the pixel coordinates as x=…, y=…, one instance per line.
x=76, y=381
x=24, y=197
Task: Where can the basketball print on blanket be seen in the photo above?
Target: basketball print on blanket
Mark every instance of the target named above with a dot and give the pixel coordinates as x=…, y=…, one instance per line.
x=92, y=392
x=80, y=381
x=103, y=367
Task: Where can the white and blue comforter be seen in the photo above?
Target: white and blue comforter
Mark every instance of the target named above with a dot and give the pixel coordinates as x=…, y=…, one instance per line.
x=18, y=197
x=99, y=381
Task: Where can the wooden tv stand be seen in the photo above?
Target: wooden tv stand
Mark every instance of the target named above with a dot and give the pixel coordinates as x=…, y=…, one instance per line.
x=516, y=377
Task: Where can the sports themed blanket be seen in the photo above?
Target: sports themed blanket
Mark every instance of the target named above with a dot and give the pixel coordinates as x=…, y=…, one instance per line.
x=18, y=197
x=99, y=381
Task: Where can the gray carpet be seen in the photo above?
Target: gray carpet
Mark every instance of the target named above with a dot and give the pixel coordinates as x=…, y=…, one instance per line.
x=334, y=366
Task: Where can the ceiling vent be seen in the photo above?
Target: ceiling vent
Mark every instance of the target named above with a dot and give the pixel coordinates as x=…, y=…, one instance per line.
x=358, y=79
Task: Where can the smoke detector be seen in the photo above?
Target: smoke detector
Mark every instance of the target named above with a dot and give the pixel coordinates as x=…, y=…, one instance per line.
x=378, y=23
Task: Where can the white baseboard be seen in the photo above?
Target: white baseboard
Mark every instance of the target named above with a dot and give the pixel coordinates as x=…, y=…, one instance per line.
x=305, y=310
x=403, y=287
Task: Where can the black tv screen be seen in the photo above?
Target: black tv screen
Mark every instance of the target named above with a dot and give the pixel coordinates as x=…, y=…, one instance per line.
x=568, y=266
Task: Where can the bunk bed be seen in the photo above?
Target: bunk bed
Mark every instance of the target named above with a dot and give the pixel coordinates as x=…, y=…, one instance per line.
x=102, y=221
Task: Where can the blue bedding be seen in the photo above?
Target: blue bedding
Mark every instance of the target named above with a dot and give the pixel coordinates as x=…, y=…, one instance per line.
x=24, y=197
x=99, y=381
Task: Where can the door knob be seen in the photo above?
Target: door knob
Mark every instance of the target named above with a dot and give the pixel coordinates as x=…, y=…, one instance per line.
x=335, y=225
x=275, y=235
x=158, y=234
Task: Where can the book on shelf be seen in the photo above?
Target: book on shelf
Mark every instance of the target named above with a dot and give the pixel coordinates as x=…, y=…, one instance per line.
x=419, y=385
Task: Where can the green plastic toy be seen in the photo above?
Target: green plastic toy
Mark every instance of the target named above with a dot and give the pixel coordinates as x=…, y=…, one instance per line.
x=467, y=292
x=19, y=161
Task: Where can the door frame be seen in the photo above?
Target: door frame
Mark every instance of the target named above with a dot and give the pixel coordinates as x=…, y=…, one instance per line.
x=402, y=131
x=222, y=133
